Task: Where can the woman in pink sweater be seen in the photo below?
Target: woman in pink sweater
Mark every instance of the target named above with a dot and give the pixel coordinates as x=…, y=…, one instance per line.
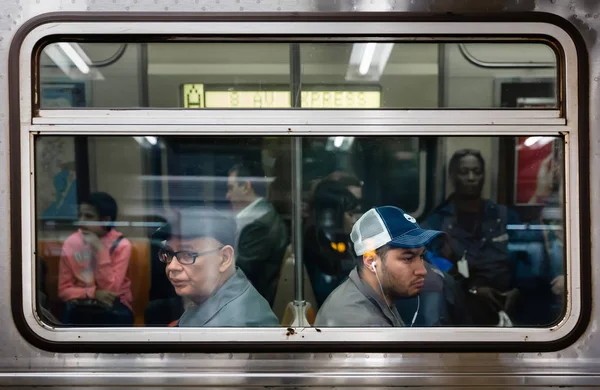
x=93, y=267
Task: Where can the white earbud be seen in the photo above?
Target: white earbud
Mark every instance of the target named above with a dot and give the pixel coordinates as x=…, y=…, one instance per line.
x=373, y=267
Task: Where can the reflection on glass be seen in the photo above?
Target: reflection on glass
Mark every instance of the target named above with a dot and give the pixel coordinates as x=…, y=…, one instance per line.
x=361, y=75
x=92, y=280
x=169, y=228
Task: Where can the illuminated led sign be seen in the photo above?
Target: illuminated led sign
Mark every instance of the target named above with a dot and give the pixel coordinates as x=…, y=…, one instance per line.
x=247, y=99
x=341, y=99
x=196, y=97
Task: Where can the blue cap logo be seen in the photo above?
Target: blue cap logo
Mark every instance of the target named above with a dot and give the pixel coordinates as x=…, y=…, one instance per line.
x=410, y=218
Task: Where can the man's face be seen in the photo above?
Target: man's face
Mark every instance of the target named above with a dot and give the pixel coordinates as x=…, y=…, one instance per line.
x=468, y=178
x=403, y=272
x=351, y=216
x=237, y=193
x=200, y=280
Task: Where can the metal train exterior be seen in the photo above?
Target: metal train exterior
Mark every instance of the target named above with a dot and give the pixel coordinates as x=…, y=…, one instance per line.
x=34, y=354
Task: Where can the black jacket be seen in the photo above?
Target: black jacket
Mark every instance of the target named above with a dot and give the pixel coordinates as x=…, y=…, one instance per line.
x=487, y=256
x=261, y=244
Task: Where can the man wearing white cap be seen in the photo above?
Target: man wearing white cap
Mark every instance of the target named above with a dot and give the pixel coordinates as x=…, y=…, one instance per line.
x=391, y=244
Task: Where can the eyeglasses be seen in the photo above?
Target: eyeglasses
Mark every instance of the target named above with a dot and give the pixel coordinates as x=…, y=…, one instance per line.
x=183, y=257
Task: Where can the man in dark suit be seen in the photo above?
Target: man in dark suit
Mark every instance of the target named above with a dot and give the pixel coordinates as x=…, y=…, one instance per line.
x=261, y=233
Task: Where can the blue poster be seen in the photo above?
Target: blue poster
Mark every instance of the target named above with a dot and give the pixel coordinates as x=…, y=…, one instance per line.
x=63, y=95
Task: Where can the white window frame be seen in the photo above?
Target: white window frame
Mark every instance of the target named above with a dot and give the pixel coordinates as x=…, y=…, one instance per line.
x=294, y=123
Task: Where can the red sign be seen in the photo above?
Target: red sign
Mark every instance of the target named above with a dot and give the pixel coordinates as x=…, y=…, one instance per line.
x=536, y=169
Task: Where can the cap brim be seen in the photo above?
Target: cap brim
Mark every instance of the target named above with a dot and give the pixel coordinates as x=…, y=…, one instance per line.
x=415, y=238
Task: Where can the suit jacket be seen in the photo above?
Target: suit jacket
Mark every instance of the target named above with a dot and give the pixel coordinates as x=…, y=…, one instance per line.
x=261, y=243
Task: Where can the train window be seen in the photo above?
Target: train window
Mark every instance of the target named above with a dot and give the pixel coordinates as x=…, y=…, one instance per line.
x=299, y=182
x=359, y=75
x=122, y=240
x=524, y=75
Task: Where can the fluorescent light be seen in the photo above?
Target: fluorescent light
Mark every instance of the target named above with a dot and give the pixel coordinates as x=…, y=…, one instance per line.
x=147, y=141
x=531, y=141
x=367, y=61
x=57, y=56
x=339, y=144
x=74, y=57
x=367, y=58
x=541, y=141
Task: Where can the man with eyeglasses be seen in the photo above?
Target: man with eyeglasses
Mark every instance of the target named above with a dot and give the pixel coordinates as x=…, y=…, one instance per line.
x=200, y=258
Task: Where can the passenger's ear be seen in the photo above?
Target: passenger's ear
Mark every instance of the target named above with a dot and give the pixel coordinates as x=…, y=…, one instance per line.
x=227, y=258
x=369, y=260
x=246, y=187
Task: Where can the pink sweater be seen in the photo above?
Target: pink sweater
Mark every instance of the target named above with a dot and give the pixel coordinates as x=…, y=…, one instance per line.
x=76, y=278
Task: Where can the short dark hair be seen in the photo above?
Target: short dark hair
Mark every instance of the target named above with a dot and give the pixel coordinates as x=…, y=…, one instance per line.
x=333, y=193
x=454, y=163
x=382, y=252
x=252, y=172
x=105, y=205
x=337, y=181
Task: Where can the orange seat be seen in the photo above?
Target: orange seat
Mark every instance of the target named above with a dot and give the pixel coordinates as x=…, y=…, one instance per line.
x=138, y=272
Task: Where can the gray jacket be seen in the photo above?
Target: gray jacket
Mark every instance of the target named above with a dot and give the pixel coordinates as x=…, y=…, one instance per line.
x=236, y=303
x=354, y=303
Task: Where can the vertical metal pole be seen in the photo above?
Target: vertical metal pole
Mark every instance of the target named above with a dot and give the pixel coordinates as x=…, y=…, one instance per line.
x=442, y=99
x=440, y=163
x=82, y=167
x=143, y=75
x=296, y=143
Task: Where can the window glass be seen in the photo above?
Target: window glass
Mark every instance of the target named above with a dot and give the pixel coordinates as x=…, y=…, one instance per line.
x=168, y=228
x=503, y=75
x=360, y=75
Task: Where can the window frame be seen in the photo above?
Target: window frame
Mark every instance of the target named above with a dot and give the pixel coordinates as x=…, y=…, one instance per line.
x=563, y=121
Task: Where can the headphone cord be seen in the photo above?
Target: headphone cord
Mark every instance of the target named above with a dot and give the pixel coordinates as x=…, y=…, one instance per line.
x=416, y=311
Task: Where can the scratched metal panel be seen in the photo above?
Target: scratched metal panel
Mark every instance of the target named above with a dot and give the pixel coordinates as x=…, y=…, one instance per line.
x=577, y=365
